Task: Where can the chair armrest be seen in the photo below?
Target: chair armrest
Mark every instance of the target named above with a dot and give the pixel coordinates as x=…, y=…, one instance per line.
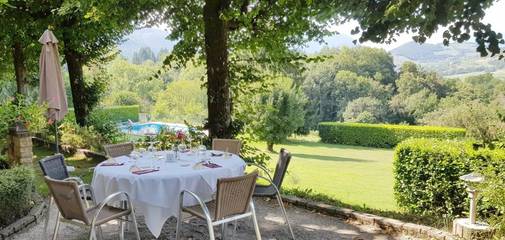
x=107, y=200
x=78, y=180
x=200, y=202
x=264, y=170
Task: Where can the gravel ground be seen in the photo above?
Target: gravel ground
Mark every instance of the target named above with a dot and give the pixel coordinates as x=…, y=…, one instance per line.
x=307, y=225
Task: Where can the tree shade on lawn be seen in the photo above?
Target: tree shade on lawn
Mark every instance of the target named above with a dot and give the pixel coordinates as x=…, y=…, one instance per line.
x=357, y=176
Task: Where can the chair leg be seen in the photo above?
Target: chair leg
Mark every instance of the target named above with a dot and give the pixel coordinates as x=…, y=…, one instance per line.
x=92, y=233
x=223, y=231
x=46, y=223
x=178, y=227
x=281, y=204
x=135, y=225
x=124, y=205
x=235, y=223
x=57, y=226
x=255, y=222
x=211, y=231
x=121, y=229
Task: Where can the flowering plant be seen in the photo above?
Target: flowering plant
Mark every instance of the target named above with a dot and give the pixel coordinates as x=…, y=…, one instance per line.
x=180, y=135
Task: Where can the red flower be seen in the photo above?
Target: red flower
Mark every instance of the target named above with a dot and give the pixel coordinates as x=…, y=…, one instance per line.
x=180, y=135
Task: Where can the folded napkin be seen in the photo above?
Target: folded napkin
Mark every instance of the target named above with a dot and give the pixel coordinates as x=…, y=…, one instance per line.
x=107, y=164
x=144, y=171
x=211, y=165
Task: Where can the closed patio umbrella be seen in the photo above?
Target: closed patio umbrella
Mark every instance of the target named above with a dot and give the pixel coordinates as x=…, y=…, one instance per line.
x=51, y=89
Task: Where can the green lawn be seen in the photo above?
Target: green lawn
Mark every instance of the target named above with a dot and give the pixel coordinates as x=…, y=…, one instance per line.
x=357, y=176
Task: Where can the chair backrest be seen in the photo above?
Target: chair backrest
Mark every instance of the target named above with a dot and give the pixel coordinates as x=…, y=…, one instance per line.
x=229, y=145
x=116, y=150
x=282, y=167
x=68, y=199
x=234, y=195
x=54, y=167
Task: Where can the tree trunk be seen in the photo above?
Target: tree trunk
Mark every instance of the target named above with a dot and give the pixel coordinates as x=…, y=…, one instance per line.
x=77, y=85
x=20, y=68
x=270, y=146
x=216, y=53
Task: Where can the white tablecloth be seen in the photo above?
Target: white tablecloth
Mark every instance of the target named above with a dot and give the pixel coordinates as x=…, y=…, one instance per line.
x=156, y=195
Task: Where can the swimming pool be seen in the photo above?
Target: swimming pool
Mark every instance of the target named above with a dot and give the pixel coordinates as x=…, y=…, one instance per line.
x=150, y=128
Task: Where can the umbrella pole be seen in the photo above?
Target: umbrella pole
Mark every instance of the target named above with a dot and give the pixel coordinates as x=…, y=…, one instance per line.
x=56, y=132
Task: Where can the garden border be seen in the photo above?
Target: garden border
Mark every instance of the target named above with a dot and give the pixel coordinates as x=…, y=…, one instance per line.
x=35, y=214
x=387, y=224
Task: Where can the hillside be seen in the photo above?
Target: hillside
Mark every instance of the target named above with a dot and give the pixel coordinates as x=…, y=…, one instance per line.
x=456, y=59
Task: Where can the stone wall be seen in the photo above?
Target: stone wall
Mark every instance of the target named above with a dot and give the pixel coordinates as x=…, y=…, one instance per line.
x=20, y=145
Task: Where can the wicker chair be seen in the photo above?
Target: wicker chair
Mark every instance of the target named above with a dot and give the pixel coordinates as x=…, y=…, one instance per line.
x=273, y=189
x=71, y=208
x=226, y=145
x=55, y=168
x=233, y=201
x=116, y=150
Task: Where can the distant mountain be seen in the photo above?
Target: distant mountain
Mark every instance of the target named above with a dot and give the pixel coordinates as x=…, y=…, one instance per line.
x=147, y=37
x=156, y=39
x=455, y=59
x=335, y=41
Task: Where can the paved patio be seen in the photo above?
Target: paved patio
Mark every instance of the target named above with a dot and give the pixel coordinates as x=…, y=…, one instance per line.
x=307, y=225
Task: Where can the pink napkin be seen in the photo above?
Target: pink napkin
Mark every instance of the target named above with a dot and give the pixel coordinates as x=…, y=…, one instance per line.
x=211, y=165
x=144, y=171
x=111, y=164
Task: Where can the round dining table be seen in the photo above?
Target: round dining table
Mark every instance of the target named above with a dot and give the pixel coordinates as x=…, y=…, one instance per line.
x=155, y=192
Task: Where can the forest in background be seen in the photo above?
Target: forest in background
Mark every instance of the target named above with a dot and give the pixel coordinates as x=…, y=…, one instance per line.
x=360, y=84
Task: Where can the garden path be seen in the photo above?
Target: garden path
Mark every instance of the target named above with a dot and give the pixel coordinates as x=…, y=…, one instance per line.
x=307, y=225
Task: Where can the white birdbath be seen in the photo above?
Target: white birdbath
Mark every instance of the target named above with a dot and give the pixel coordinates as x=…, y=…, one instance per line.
x=469, y=228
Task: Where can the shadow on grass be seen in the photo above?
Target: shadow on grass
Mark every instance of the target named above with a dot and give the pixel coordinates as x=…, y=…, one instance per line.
x=434, y=221
x=328, y=158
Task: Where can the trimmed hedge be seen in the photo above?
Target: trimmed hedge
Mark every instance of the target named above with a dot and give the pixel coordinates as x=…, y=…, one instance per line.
x=115, y=113
x=426, y=176
x=16, y=194
x=381, y=135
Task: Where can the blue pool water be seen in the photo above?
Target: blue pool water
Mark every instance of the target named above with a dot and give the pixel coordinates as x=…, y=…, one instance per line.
x=150, y=127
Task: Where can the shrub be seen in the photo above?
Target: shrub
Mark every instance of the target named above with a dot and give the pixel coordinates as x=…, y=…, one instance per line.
x=381, y=135
x=76, y=137
x=106, y=127
x=426, y=175
x=492, y=166
x=30, y=113
x=16, y=189
x=116, y=113
x=427, y=171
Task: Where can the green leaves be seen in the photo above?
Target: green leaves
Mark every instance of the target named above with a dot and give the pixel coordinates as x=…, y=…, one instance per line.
x=381, y=135
x=427, y=172
x=16, y=193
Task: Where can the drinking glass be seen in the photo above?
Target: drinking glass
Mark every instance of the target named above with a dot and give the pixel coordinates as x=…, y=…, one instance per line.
x=182, y=147
x=190, y=139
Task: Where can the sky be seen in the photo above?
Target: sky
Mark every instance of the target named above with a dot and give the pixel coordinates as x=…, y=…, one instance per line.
x=495, y=16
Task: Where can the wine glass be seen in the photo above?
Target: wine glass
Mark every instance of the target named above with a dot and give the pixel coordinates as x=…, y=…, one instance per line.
x=182, y=147
x=190, y=139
